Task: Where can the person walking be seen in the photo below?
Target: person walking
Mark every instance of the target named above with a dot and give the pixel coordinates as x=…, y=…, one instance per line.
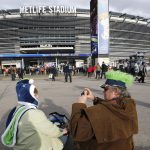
x=68, y=72
x=53, y=72
x=142, y=73
x=104, y=70
x=12, y=72
x=98, y=69
x=111, y=122
x=90, y=71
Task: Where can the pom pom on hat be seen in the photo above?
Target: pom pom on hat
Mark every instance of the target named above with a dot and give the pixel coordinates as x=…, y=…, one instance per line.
x=31, y=81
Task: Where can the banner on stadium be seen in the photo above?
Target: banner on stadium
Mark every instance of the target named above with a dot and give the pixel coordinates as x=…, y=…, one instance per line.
x=103, y=26
x=93, y=24
x=94, y=45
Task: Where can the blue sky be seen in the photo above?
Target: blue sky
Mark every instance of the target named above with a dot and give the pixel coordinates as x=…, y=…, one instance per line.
x=134, y=7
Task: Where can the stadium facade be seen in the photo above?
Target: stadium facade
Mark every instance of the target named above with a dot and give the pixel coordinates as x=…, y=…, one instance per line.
x=129, y=35
x=67, y=36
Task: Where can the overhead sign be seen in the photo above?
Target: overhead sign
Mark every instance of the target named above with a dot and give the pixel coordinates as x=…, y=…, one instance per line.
x=47, y=9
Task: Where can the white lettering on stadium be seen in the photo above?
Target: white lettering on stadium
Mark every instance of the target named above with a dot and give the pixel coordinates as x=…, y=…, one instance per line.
x=47, y=9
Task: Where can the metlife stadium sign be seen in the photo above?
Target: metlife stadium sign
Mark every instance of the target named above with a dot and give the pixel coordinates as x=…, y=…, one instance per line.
x=47, y=9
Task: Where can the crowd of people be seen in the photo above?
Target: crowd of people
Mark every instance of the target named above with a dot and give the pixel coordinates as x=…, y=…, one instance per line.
x=97, y=71
x=137, y=69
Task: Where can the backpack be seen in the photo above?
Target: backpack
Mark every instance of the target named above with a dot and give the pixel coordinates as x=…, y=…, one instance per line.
x=62, y=121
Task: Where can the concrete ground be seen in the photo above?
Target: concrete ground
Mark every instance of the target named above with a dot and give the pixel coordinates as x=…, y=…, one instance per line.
x=59, y=96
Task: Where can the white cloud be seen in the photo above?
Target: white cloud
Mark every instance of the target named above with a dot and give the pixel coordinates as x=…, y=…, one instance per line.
x=134, y=7
x=10, y=4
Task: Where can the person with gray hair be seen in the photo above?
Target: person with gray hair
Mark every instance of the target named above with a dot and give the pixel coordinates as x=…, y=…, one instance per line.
x=111, y=122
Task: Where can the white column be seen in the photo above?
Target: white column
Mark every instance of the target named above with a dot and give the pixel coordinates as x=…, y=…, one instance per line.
x=22, y=63
x=56, y=62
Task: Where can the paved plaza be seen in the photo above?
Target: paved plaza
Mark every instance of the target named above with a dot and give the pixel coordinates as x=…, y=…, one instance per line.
x=59, y=96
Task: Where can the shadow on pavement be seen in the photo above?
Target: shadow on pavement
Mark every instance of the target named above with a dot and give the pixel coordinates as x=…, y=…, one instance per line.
x=144, y=104
x=146, y=83
x=48, y=107
x=142, y=148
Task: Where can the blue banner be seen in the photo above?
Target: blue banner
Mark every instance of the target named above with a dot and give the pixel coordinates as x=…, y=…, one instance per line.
x=40, y=55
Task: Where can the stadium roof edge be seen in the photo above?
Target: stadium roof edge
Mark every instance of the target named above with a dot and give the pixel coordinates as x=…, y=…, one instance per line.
x=124, y=17
x=117, y=14
x=113, y=15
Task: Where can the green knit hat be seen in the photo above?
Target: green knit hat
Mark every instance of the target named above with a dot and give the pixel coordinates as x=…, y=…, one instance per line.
x=118, y=78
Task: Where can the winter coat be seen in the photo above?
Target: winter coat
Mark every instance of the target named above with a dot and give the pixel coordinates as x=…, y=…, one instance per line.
x=66, y=69
x=36, y=132
x=104, y=126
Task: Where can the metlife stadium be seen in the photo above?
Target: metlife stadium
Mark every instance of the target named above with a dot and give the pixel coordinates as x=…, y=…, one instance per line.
x=36, y=35
x=60, y=35
x=129, y=35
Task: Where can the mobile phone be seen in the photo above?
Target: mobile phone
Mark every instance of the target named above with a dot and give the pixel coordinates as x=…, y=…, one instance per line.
x=83, y=92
